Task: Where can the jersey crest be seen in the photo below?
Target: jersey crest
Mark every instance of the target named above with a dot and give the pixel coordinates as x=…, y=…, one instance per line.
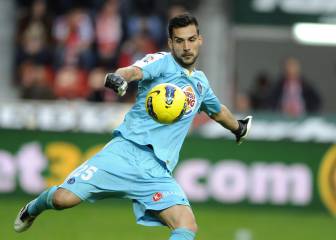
x=199, y=88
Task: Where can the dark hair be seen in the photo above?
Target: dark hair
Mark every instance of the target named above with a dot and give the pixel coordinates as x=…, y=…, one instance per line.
x=182, y=20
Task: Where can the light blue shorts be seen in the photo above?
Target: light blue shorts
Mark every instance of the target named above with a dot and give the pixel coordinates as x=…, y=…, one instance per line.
x=125, y=169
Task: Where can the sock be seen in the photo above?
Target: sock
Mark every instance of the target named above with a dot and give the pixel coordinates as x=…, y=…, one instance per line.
x=42, y=202
x=182, y=234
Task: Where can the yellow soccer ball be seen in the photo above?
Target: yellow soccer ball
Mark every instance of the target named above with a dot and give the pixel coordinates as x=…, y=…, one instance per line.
x=166, y=103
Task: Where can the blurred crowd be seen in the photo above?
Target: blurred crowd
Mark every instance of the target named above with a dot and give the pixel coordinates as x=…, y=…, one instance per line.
x=290, y=94
x=64, y=48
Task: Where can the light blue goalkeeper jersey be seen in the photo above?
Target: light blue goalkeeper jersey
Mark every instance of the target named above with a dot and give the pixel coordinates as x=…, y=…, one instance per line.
x=166, y=140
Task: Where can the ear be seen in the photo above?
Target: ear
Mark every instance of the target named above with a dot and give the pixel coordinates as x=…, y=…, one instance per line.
x=170, y=43
x=200, y=37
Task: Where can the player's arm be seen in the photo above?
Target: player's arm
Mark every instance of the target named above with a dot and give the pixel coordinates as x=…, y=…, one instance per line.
x=118, y=81
x=130, y=73
x=239, y=128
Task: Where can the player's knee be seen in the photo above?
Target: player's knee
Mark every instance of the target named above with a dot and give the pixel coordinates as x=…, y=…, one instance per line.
x=63, y=199
x=192, y=227
x=59, y=201
x=179, y=216
x=188, y=223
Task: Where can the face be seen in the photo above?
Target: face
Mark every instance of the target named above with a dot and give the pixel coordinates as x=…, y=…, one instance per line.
x=184, y=45
x=292, y=67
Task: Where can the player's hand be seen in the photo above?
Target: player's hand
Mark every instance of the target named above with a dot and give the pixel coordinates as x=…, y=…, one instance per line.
x=243, y=129
x=116, y=82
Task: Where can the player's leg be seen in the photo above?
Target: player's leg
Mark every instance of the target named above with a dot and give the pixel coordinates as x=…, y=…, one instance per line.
x=95, y=179
x=29, y=212
x=63, y=199
x=157, y=198
x=181, y=220
x=52, y=198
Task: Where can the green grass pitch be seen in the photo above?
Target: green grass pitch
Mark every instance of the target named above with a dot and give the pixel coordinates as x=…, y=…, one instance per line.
x=113, y=219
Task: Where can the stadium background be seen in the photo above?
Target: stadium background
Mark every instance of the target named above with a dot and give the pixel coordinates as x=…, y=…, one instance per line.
x=54, y=114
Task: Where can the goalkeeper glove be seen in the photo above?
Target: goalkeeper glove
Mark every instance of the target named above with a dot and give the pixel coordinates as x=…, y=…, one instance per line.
x=243, y=129
x=116, y=82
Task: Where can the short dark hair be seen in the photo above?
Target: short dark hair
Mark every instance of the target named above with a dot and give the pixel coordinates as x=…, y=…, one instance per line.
x=182, y=20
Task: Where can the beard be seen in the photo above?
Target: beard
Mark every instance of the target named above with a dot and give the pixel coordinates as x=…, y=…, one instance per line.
x=186, y=60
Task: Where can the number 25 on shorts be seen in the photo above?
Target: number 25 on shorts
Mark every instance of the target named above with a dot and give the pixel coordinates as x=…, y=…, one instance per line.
x=85, y=172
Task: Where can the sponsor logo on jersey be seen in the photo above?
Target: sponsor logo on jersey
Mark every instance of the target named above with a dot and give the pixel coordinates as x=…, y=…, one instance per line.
x=191, y=99
x=157, y=196
x=327, y=179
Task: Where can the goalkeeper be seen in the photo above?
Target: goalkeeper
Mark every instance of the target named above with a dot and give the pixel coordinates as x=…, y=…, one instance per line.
x=138, y=162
